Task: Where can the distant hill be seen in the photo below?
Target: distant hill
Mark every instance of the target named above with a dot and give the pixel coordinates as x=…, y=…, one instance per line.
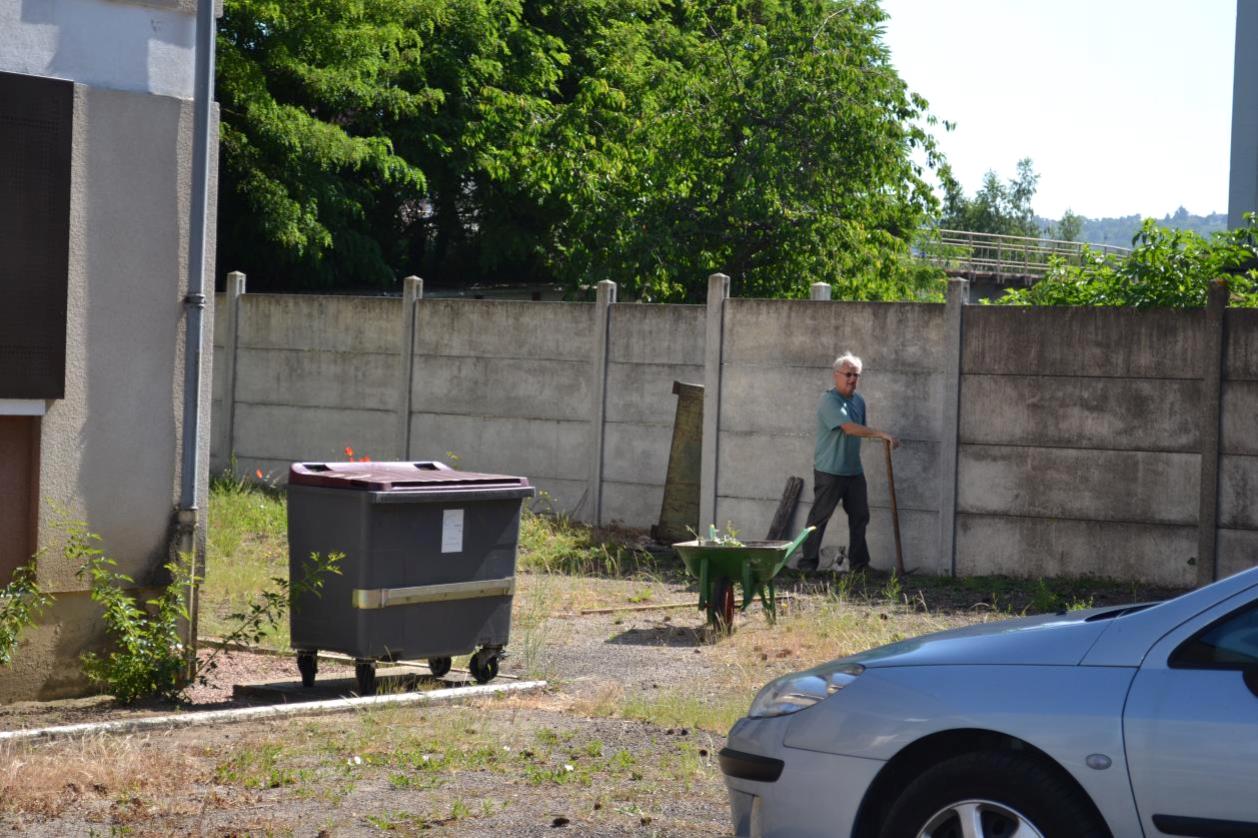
x=1119, y=231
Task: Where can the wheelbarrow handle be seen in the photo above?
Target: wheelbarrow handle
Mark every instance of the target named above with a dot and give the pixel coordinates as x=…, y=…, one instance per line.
x=799, y=539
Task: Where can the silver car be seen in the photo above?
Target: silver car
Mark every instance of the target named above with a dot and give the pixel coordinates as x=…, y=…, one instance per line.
x=1130, y=721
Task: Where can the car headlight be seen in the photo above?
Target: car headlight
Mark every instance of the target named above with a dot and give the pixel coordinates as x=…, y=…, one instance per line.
x=792, y=693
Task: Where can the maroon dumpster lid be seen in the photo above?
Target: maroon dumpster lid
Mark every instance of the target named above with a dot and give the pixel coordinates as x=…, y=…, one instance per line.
x=384, y=477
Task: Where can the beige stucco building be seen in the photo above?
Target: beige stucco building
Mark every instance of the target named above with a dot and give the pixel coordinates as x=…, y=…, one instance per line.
x=97, y=208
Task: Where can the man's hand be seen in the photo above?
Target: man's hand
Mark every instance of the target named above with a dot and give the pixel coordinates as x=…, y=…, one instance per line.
x=889, y=439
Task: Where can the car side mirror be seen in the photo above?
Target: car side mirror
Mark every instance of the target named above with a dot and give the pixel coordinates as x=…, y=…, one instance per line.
x=1251, y=678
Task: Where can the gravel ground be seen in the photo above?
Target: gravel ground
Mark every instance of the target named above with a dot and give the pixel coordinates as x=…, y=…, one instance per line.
x=671, y=786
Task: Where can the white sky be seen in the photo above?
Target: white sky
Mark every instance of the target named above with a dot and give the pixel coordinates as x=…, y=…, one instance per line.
x=1124, y=106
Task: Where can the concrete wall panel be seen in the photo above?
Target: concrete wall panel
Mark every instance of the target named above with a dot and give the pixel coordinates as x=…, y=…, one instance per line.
x=558, y=495
x=1140, y=414
x=1133, y=486
x=325, y=324
x=636, y=454
x=301, y=378
x=644, y=392
x=534, y=388
x=505, y=329
x=1238, y=492
x=1239, y=418
x=632, y=504
x=220, y=321
x=750, y=518
x=533, y=448
x=1238, y=550
x=656, y=334
x=1103, y=342
x=1036, y=547
x=783, y=400
x=1240, y=359
x=288, y=434
x=906, y=337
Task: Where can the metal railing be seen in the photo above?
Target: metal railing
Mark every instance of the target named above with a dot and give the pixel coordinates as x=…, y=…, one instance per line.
x=1004, y=258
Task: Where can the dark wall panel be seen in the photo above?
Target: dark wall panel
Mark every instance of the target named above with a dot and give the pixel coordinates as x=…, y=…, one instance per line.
x=36, y=116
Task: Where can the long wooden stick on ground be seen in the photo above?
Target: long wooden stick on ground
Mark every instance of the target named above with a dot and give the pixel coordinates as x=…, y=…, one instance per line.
x=659, y=606
x=895, y=512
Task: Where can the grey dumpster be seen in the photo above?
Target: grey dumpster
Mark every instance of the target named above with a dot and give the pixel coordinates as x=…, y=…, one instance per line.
x=429, y=566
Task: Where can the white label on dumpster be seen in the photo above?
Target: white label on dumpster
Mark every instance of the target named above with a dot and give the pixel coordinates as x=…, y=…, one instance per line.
x=452, y=531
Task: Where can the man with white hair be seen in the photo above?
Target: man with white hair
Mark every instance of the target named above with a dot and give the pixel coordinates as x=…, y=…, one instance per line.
x=837, y=472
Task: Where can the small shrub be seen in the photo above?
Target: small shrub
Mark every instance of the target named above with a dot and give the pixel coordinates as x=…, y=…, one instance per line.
x=148, y=657
x=1167, y=268
x=21, y=602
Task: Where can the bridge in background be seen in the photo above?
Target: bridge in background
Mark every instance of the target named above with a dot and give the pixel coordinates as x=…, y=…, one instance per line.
x=992, y=261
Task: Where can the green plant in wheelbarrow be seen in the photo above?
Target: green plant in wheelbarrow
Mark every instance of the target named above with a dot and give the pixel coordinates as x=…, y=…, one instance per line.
x=720, y=564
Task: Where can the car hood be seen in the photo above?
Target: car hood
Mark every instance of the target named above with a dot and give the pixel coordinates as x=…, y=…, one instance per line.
x=1044, y=640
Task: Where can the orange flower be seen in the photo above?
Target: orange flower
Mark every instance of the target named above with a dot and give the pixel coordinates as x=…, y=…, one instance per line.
x=259, y=473
x=349, y=452
x=364, y=459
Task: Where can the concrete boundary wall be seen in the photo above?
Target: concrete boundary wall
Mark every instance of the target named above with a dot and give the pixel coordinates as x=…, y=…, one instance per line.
x=1035, y=441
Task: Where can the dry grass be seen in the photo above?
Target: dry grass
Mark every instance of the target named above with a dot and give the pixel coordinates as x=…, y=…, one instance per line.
x=44, y=780
x=810, y=630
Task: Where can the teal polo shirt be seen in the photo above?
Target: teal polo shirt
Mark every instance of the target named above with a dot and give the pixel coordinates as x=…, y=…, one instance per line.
x=837, y=452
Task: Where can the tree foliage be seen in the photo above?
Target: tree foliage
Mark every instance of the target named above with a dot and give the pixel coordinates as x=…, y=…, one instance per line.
x=1167, y=268
x=1001, y=208
x=646, y=141
x=1069, y=228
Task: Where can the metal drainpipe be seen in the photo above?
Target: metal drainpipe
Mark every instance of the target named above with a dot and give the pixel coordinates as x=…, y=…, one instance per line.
x=195, y=301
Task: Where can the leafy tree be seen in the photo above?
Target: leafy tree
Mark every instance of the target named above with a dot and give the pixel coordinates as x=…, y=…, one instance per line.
x=1069, y=228
x=646, y=141
x=769, y=140
x=1001, y=208
x=355, y=132
x=1167, y=268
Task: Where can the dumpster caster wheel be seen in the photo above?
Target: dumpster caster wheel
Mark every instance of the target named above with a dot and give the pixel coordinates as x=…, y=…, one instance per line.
x=484, y=666
x=439, y=666
x=307, y=665
x=365, y=672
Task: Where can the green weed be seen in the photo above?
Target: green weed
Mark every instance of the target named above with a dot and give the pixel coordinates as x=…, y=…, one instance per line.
x=21, y=603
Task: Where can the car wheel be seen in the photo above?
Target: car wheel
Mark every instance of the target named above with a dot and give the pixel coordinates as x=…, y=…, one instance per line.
x=992, y=794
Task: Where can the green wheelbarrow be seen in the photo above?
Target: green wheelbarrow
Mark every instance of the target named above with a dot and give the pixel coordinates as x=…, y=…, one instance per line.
x=718, y=566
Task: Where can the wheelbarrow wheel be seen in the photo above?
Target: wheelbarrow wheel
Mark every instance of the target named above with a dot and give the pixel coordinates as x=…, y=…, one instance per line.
x=721, y=605
x=439, y=666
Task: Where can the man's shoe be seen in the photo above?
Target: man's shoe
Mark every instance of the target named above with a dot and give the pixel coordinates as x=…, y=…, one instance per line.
x=807, y=566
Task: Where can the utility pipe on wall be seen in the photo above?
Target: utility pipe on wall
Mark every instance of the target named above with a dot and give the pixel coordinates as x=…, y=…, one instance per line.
x=195, y=299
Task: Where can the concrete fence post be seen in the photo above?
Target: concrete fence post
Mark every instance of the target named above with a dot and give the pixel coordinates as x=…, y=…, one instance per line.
x=598, y=395
x=718, y=293
x=231, y=348
x=950, y=433
x=819, y=291
x=412, y=293
x=1211, y=418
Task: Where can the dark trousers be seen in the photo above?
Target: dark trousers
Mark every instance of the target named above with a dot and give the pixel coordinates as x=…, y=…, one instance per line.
x=828, y=490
